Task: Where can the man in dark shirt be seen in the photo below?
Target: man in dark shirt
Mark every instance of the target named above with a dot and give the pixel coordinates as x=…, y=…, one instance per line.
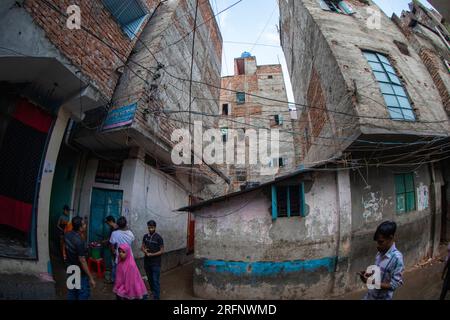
x=153, y=248
x=76, y=251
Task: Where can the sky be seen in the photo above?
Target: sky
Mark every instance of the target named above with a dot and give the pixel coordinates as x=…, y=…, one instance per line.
x=251, y=26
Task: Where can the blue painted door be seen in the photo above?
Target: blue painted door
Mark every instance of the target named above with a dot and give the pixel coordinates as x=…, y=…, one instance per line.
x=103, y=203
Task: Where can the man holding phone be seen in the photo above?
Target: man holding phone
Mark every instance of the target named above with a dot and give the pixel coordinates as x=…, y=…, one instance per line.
x=389, y=262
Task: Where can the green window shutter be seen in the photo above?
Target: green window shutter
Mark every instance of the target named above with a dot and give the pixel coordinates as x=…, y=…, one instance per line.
x=409, y=182
x=274, y=203
x=401, y=203
x=346, y=7
x=399, y=183
x=410, y=201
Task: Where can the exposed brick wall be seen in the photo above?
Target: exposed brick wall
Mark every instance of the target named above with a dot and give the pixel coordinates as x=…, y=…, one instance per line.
x=316, y=99
x=257, y=113
x=208, y=14
x=433, y=63
x=96, y=60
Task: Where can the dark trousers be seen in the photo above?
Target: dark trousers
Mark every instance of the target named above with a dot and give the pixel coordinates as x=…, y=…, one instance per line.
x=80, y=294
x=153, y=273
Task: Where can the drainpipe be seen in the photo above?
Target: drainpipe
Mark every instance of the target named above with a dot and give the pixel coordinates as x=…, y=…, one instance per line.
x=67, y=136
x=432, y=209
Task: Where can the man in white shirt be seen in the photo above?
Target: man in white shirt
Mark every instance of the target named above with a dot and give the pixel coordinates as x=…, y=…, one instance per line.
x=120, y=236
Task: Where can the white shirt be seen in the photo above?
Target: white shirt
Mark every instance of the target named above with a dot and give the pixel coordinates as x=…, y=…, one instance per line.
x=119, y=237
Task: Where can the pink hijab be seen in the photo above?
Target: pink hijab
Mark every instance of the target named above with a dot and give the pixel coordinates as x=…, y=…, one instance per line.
x=129, y=283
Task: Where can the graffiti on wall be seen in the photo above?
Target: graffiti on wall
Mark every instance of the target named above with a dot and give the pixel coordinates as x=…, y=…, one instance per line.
x=373, y=204
x=423, y=197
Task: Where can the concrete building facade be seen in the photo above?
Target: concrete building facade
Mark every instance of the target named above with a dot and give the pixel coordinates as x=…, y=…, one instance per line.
x=115, y=87
x=255, y=99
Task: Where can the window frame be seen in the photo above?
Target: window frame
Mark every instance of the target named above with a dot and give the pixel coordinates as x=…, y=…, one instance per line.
x=404, y=192
x=389, y=79
x=132, y=25
x=335, y=6
x=240, y=95
x=225, y=106
x=278, y=119
x=275, y=206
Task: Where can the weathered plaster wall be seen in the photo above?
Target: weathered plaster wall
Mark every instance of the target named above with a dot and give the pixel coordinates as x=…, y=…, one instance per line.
x=156, y=195
x=241, y=253
x=374, y=201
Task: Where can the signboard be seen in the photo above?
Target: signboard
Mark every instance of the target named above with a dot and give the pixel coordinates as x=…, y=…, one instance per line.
x=120, y=117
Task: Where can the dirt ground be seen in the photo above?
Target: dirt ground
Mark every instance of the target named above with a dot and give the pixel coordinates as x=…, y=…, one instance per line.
x=422, y=282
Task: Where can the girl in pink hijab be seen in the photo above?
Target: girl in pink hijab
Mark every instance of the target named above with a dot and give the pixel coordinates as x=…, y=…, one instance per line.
x=129, y=284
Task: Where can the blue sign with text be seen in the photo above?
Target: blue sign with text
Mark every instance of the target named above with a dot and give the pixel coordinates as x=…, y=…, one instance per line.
x=120, y=117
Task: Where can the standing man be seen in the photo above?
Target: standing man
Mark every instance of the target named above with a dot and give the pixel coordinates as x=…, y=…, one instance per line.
x=389, y=261
x=76, y=251
x=120, y=236
x=111, y=222
x=153, y=248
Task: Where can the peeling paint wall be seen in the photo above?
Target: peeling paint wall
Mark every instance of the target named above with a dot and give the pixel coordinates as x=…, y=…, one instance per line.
x=241, y=253
x=374, y=201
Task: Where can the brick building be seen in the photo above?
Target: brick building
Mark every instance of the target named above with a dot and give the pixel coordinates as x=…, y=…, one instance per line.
x=132, y=141
x=254, y=99
x=105, y=95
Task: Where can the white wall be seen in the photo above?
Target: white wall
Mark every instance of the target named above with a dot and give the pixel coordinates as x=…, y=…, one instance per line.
x=147, y=194
x=156, y=196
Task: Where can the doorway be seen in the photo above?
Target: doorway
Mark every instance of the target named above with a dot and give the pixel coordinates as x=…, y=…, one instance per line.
x=61, y=195
x=103, y=203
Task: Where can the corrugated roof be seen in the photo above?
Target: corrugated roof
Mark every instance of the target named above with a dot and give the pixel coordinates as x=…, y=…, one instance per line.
x=235, y=194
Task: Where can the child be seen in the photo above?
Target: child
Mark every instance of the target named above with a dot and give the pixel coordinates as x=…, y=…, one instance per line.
x=129, y=284
x=62, y=223
x=390, y=262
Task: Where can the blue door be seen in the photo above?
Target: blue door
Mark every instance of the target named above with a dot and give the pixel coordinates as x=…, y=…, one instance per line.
x=104, y=203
